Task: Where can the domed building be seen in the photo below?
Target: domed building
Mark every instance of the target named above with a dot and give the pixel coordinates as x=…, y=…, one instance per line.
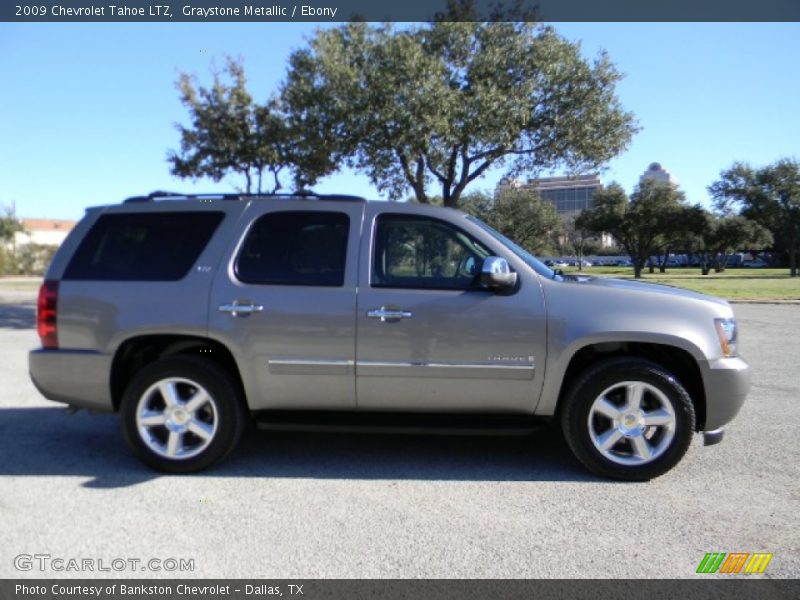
x=658, y=173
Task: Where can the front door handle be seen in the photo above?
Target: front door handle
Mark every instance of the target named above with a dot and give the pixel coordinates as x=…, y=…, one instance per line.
x=388, y=315
x=242, y=310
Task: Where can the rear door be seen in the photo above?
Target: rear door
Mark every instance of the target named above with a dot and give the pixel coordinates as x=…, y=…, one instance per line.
x=284, y=302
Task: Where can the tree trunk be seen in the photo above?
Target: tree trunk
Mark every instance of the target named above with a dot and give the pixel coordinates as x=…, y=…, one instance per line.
x=638, y=265
x=450, y=197
x=277, y=182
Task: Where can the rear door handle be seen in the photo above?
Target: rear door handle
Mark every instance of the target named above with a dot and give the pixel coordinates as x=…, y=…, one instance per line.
x=388, y=315
x=243, y=310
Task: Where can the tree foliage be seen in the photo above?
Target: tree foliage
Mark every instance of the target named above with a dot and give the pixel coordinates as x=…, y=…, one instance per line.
x=769, y=196
x=643, y=224
x=9, y=225
x=520, y=215
x=440, y=104
x=230, y=133
x=722, y=235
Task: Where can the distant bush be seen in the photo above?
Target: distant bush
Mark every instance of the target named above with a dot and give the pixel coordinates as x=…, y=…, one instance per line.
x=29, y=259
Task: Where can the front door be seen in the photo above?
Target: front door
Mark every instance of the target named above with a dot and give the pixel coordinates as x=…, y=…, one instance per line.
x=430, y=339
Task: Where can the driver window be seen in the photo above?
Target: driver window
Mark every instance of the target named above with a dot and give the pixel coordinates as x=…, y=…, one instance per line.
x=420, y=252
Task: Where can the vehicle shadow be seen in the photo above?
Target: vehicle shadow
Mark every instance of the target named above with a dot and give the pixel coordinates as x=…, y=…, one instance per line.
x=48, y=442
x=17, y=316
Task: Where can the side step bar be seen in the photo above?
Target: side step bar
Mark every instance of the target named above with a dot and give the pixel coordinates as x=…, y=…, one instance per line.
x=398, y=423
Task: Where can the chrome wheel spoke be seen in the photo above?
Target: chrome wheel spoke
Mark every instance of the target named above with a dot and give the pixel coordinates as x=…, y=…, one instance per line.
x=658, y=417
x=607, y=440
x=200, y=429
x=169, y=391
x=634, y=395
x=605, y=408
x=197, y=401
x=641, y=447
x=152, y=419
x=174, y=443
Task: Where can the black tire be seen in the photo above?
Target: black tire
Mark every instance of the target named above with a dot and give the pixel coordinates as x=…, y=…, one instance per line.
x=588, y=425
x=205, y=435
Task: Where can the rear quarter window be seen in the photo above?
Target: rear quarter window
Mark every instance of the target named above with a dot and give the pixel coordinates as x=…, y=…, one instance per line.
x=160, y=246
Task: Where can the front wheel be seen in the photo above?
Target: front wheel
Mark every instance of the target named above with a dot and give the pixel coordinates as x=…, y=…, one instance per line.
x=181, y=414
x=628, y=418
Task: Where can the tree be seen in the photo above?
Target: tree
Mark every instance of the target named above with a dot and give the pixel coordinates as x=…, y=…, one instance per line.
x=722, y=235
x=644, y=224
x=769, y=196
x=229, y=133
x=520, y=215
x=575, y=240
x=9, y=226
x=444, y=102
x=680, y=226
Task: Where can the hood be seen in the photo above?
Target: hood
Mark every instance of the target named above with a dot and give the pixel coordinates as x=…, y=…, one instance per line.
x=641, y=287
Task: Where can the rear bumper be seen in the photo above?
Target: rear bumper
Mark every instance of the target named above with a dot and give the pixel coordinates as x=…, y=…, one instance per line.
x=726, y=382
x=77, y=377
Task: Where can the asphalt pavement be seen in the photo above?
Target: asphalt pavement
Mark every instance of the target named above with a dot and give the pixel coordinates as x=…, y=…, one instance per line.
x=303, y=505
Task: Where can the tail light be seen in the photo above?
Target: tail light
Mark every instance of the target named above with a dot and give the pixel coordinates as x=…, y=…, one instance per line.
x=46, y=323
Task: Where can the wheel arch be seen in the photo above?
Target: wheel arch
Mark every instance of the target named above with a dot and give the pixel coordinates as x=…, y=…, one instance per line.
x=677, y=360
x=137, y=352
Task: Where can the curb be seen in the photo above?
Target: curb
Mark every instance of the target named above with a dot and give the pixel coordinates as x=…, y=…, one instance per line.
x=774, y=302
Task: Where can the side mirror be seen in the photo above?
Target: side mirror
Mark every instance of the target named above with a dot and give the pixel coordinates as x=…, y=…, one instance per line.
x=496, y=274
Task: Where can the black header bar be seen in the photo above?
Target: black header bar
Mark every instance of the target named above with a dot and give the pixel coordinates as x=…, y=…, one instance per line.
x=394, y=10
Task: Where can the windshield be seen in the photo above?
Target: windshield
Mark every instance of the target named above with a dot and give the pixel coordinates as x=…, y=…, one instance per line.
x=528, y=258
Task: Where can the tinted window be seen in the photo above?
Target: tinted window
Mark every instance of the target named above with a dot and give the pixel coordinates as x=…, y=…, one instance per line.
x=143, y=246
x=418, y=252
x=295, y=248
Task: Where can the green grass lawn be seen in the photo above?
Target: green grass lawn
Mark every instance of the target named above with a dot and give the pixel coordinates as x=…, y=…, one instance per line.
x=733, y=284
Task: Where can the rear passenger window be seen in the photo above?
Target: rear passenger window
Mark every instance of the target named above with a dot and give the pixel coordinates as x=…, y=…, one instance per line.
x=295, y=248
x=160, y=246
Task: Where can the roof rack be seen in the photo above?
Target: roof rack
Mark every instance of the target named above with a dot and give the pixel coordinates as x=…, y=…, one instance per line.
x=160, y=195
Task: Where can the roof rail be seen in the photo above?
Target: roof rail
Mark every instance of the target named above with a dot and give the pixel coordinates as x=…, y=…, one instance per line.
x=160, y=195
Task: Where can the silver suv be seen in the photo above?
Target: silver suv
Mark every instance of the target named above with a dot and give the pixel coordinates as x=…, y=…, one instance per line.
x=189, y=315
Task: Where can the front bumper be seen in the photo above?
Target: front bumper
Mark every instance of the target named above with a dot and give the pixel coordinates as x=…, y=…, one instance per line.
x=726, y=382
x=713, y=437
x=77, y=377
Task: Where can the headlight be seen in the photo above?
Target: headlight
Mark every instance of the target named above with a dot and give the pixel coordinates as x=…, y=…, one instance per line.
x=726, y=330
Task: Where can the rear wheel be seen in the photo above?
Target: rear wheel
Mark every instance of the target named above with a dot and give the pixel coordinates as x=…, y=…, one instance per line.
x=181, y=415
x=628, y=418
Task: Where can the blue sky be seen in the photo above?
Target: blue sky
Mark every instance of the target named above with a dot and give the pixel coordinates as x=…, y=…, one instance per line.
x=87, y=111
